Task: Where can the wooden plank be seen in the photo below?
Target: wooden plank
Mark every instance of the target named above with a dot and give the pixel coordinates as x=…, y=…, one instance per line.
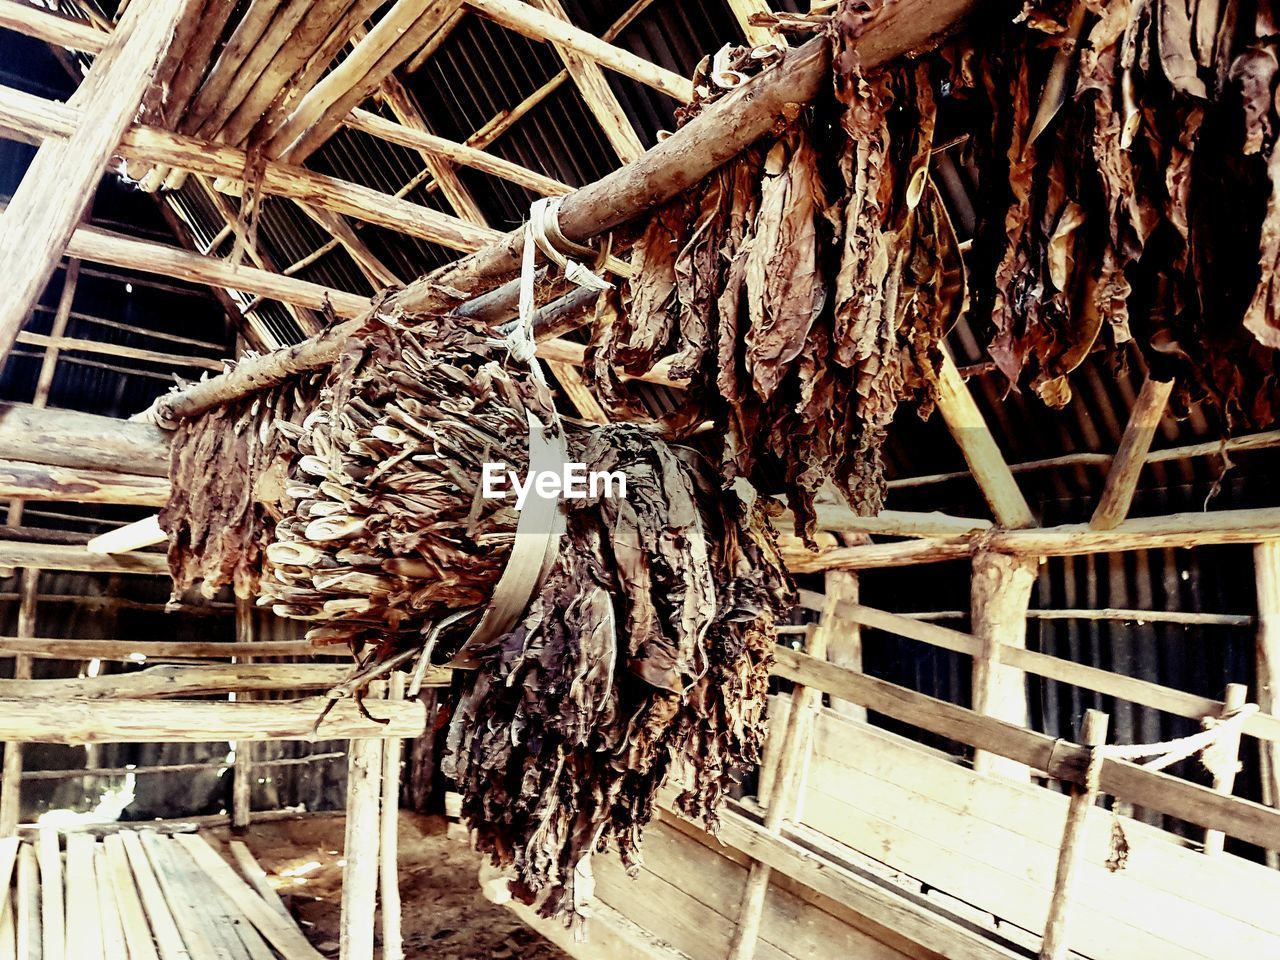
x=114, y=945
x=8, y=926
x=133, y=918
x=53, y=912
x=1122, y=478
x=84, y=927
x=234, y=932
x=360, y=873
x=283, y=936
x=59, y=185
x=27, y=906
x=1188, y=801
x=257, y=877
x=43, y=720
x=183, y=901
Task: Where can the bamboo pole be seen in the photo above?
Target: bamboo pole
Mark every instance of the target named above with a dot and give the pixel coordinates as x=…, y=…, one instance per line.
x=1071, y=853
x=1122, y=478
x=59, y=185
x=1000, y=593
x=711, y=139
x=11, y=777
x=1227, y=751
x=1266, y=566
x=389, y=873
x=360, y=873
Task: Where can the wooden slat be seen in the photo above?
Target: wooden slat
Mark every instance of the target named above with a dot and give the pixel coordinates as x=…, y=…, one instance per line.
x=114, y=945
x=185, y=902
x=84, y=926
x=133, y=918
x=257, y=878
x=53, y=911
x=27, y=905
x=59, y=185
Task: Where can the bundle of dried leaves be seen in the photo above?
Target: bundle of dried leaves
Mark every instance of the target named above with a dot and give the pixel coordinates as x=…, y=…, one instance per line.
x=800, y=291
x=645, y=650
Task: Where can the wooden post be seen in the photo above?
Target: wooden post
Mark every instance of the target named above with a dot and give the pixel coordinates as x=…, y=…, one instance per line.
x=242, y=771
x=1054, y=947
x=1122, y=479
x=1000, y=594
x=11, y=778
x=360, y=875
x=1266, y=566
x=792, y=753
x=1224, y=780
x=844, y=640
x=389, y=872
x=59, y=185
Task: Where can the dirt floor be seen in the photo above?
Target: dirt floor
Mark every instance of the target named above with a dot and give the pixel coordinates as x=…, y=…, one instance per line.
x=444, y=916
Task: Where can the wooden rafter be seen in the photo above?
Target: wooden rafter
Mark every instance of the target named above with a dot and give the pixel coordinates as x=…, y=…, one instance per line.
x=743, y=11
x=1122, y=478
x=61, y=31
x=599, y=97
x=539, y=25
x=60, y=183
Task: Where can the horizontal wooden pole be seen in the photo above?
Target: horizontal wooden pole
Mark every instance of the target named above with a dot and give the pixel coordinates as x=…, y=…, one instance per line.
x=1236, y=817
x=70, y=438
x=146, y=532
x=171, y=681
x=1145, y=533
x=140, y=651
x=528, y=20
x=49, y=720
x=840, y=518
x=120, y=350
x=137, y=771
x=707, y=142
x=56, y=556
x=36, y=481
x=40, y=24
x=35, y=119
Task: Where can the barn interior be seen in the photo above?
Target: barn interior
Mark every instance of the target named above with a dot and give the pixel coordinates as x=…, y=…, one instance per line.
x=942, y=619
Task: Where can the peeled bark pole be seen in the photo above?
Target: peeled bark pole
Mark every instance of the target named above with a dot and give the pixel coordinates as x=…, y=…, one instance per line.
x=1224, y=780
x=11, y=778
x=360, y=875
x=1266, y=565
x=389, y=864
x=1122, y=479
x=1001, y=592
x=58, y=187
x=1070, y=854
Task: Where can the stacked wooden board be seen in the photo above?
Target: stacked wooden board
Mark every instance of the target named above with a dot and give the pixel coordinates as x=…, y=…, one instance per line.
x=139, y=895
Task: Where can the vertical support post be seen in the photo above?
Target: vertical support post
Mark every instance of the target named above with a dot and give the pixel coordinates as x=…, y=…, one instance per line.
x=360, y=875
x=1266, y=566
x=1224, y=779
x=792, y=753
x=242, y=768
x=844, y=641
x=389, y=866
x=1054, y=946
x=1000, y=595
x=11, y=777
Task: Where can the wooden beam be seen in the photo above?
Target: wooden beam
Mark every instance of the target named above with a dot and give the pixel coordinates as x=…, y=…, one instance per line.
x=755, y=34
x=53, y=556
x=704, y=144
x=184, y=681
x=594, y=88
x=32, y=21
x=1000, y=593
x=45, y=720
x=396, y=37
x=70, y=438
x=374, y=269
x=60, y=183
x=143, y=651
x=34, y=118
x=57, y=343
x=1122, y=478
x=11, y=777
x=459, y=153
x=34, y=481
x=538, y=25
x=973, y=436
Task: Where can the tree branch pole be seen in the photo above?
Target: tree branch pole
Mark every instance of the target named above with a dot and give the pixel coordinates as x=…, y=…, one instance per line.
x=718, y=134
